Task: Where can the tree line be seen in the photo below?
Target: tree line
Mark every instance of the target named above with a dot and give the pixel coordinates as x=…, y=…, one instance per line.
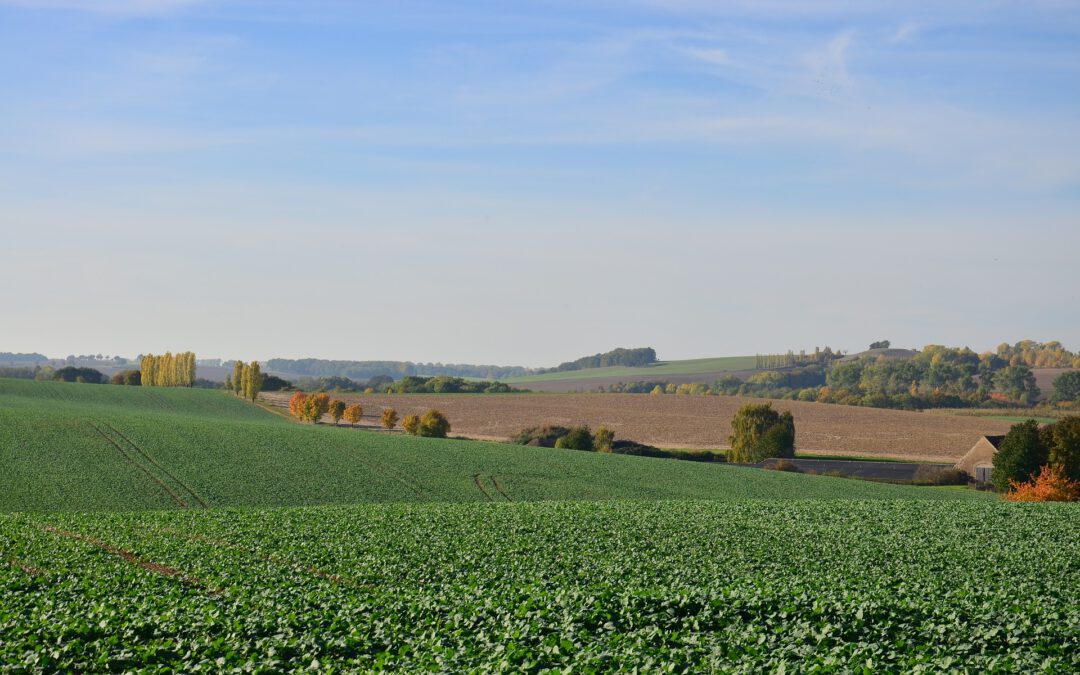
x=636, y=358
x=365, y=370
x=246, y=380
x=168, y=370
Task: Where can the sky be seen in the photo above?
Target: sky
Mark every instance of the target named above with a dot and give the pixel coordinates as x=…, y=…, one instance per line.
x=524, y=183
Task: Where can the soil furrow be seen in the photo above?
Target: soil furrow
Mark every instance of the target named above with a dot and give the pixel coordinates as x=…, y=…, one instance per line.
x=480, y=487
x=500, y=489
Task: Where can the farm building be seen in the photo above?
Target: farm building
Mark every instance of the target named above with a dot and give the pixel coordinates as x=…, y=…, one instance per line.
x=979, y=460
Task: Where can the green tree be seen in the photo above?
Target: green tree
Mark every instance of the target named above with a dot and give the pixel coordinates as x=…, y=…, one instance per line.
x=1067, y=387
x=1065, y=449
x=228, y=383
x=434, y=424
x=1018, y=383
x=1021, y=453
x=238, y=377
x=760, y=432
x=255, y=380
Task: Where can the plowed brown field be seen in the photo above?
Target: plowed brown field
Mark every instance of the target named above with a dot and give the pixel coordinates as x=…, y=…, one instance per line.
x=694, y=421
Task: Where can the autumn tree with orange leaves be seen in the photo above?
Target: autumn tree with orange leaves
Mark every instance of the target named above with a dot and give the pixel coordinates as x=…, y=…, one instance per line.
x=1049, y=485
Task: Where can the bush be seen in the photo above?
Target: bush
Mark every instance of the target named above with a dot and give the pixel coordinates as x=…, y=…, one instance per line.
x=543, y=436
x=434, y=424
x=784, y=465
x=578, y=438
x=127, y=377
x=314, y=407
x=354, y=413
x=760, y=432
x=932, y=474
x=604, y=438
x=1050, y=485
x=411, y=425
x=76, y=374
x=389, y=418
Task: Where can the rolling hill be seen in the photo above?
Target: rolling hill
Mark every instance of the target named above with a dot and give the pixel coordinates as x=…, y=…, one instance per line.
x=688, y=370
x=69, y=446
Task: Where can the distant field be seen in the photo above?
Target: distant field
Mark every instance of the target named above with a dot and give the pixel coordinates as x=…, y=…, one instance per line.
x=101, y=447
x=657, y=371
x=701, y=422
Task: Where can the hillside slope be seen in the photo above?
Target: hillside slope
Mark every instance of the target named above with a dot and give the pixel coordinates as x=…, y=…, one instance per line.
x=588, y=379
x=99, y=447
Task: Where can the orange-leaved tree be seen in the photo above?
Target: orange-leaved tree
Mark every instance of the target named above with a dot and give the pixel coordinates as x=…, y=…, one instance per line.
x=315, y=407
x=1049, y=485
x=353, y=413
x=296, y=404
x=389, y=418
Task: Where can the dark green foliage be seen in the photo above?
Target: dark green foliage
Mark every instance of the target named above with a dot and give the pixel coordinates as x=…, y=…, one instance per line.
x=127, y=377
x=78, y=374
x=577, y=438
x=542, y=436
x=329, y=384
x=1018, y=383
x=881, y=344
x=1067, y=387
x=634, y=358
x=444, y=384
x=434, y=424
x=1065, y=446
x=760, y=432
x=1021, y=453
x=275, y=383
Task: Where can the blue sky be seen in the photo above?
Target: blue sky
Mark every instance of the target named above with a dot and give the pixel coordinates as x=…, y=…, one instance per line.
x=525, y=183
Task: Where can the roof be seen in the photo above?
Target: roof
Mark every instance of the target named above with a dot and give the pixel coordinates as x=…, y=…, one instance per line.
x=995, y=440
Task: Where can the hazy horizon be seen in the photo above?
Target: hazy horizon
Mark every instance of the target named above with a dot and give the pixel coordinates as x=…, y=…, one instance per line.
x=528, y=184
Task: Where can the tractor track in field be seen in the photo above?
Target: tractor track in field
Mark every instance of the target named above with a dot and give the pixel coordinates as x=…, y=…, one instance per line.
x=480, y=487
x=131, y=460
x=132, y=558
x=500, y=488
x=194, y=495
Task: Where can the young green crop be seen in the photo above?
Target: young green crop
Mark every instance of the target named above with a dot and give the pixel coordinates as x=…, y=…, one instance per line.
x=93, y=447
x=602, y=586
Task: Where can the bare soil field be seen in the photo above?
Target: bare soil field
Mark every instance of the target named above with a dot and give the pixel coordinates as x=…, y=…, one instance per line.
x=700, y=422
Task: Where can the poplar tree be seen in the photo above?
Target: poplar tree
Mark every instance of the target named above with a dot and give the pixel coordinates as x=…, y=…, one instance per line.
x=255, y=380
x=237, y=377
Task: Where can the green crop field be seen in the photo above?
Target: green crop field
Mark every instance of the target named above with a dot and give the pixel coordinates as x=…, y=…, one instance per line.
x=586, y=586
x=143, y=531
x=99, y=447
x=656, y=371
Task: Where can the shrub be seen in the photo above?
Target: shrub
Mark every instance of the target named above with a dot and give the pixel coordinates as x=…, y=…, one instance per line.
x=760, y=432
x=784, y=465
x=76, y=374
x=543, y=436
x=411, y=425
x=389, y=418
x=604, y=438
x=434, y=424
x=578, y=438
x=127, y=377
x=1049, y=485
x=354, y=413
x=933, y=474
x=336, y=410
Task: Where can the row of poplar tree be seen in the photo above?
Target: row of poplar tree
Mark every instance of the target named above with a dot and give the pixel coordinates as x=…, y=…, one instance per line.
x=246, y=380
x=168, y=370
